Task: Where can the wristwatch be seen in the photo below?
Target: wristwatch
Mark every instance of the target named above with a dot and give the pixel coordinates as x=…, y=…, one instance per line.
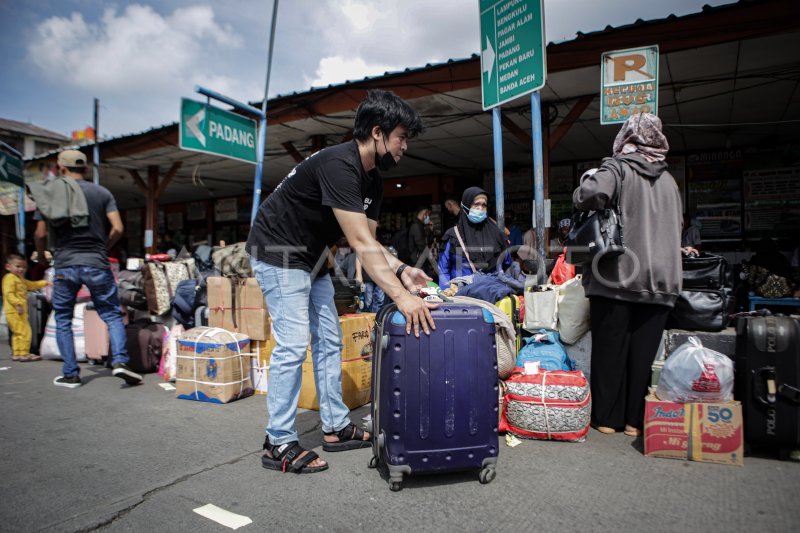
x=400, y=269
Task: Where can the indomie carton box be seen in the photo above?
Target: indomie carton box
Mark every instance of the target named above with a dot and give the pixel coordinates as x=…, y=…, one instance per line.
x=213, y=365
x=707, y=432
x=356, y=364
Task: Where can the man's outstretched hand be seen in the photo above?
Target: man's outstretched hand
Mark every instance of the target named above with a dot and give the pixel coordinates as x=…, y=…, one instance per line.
x=414, y=279
x=417, y=312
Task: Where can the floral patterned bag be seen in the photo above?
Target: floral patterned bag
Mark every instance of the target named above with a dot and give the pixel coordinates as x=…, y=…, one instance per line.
x=548, y=405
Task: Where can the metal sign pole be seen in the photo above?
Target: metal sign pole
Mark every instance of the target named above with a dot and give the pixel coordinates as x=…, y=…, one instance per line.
x=499, y=193
x=262, y=125
x=538, y=181
x=21, y=223
x=96, y=151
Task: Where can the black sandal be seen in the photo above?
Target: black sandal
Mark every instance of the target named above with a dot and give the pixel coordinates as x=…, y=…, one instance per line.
x=282, y=458
x=351, y=437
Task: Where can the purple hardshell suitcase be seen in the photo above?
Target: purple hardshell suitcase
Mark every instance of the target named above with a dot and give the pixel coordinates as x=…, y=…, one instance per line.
x=435, y=397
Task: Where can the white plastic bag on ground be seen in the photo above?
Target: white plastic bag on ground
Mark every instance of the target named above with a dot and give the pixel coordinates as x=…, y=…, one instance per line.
x=696, y=374
x=49, y=346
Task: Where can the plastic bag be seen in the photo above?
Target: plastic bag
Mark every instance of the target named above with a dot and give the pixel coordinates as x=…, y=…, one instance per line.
x=562, y=271
x=696, y=374
x=573, y=311
x=541, y=308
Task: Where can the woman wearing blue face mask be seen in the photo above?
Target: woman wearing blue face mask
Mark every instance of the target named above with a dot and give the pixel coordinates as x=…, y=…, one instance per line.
x=483, y=240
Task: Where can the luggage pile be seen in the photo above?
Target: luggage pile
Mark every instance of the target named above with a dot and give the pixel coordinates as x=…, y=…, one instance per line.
x=706, y=300
x=548, y=396
x=711, y=405
x=440, y=400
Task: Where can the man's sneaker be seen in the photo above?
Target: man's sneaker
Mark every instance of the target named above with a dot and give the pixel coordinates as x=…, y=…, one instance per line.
x=71, y=382
x=123, y=371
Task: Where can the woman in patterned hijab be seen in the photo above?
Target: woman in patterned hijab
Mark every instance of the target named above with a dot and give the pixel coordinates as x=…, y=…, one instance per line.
x=642, y=133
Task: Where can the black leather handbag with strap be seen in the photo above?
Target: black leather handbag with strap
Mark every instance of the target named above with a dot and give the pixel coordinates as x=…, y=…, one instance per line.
x=598, y=232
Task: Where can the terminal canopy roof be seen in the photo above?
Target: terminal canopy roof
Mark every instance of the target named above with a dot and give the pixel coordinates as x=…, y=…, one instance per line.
x=727, y=79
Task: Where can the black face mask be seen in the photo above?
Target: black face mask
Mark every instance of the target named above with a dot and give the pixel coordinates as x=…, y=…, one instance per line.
x=386, y=161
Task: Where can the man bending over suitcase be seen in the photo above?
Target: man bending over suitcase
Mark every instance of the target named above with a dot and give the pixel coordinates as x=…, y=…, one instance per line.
x=336, y=191
x=83, y=237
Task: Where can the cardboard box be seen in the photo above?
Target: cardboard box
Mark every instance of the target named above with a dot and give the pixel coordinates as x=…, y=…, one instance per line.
x=261, y=353
x=246, y=313
x=210, y=367
x=356, y=384
x=356, y=330
x=356, y=364
x=707, y=432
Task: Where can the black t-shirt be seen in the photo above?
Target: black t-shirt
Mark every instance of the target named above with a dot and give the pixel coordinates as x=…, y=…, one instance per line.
x=85, y=246
x=296, y=223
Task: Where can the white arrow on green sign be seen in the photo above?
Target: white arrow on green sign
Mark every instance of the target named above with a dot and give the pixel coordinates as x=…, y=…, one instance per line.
x=11, y=169
x=512, y=49
x=208, y=129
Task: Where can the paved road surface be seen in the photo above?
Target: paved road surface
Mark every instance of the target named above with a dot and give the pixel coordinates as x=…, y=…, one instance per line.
x=115, y=458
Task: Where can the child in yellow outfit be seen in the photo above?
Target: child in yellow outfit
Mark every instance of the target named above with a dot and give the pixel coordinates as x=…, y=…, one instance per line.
x=15, y=304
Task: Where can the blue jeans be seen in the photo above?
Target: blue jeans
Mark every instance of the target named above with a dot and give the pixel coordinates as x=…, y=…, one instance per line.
x=103, y=288
x=298, y=309
x=373, y=297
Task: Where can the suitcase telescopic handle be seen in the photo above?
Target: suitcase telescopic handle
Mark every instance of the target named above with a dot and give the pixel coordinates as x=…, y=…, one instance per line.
x=765, y=385
x=767, y=389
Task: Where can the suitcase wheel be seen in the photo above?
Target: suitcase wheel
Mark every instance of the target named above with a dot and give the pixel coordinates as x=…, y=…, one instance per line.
x=373, y=462
x=396, y=486
x=487, y=475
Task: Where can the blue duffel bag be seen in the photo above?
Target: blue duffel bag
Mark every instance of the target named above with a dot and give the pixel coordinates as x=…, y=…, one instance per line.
x=545, y=347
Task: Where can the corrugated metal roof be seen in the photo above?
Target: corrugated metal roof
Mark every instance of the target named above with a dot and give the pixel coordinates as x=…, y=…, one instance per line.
x=26, y=128
x=474, y=57
x=578, y=36
x=78, y=146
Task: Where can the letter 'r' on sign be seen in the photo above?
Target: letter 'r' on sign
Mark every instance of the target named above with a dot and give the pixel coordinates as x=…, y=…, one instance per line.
x=632, y=63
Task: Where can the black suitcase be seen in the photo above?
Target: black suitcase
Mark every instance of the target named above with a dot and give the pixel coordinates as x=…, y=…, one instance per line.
x=38, y=311
x=768, y=380
x=345, y=295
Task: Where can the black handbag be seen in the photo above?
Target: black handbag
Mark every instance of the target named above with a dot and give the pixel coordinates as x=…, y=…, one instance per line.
x=346, y=292
x=702, y=310
x=707, y=271
x=595, y=233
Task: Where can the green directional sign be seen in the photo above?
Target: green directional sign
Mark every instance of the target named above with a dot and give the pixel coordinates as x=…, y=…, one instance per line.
x=512, y=49
x=11, y=169
x=209, y=129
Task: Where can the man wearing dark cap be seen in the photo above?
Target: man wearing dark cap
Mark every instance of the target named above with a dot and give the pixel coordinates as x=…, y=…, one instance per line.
x=85, y=227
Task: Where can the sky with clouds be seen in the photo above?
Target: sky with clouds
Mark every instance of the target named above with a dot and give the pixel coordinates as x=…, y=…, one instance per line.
x=140, y=57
